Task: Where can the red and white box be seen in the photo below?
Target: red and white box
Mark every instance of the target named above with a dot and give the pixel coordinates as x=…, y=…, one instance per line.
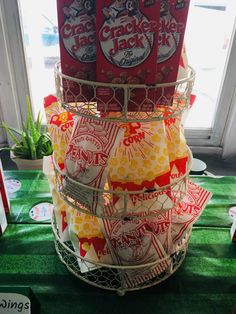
x=3, y=191
x=77, y=34
x=173, y=19
x=127, y=38
x=4, y=202
x=3, y=219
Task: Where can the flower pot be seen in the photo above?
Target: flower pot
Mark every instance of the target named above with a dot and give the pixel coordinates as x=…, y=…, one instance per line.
x=27, y=164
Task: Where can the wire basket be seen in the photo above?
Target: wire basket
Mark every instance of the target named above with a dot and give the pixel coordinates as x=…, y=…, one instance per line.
x=116, y=277
x=82, y=97
x=131, y=204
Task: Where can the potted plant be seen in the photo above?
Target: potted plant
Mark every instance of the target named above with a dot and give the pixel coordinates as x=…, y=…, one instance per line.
x=34, y=143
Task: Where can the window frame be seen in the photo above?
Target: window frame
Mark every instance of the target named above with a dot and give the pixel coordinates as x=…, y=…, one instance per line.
x=221, y=135
x=16, y=85
x=13, y=71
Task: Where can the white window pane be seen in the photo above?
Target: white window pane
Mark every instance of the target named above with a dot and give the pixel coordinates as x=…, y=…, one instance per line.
x=208, y=33
x=40, y=33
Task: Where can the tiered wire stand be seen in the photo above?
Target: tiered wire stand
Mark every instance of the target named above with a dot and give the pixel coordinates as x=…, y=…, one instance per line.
x=78, y=195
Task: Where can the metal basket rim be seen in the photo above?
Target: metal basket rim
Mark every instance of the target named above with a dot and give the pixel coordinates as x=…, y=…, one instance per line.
x=191, y=76
x=162, y=188
x=122, y=267
x=121, y=290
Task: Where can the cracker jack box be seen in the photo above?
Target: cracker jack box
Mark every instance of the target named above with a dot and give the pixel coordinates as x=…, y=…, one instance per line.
x=76, y=24
x=3, y=191
x=173, y=19
x=127, y=38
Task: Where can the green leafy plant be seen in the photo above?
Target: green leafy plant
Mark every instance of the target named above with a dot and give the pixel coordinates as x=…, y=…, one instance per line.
x=33, y=143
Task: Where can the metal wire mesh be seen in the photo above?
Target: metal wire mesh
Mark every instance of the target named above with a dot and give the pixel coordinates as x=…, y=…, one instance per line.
x=116, y=277
x=99, y=202
x=155, y=102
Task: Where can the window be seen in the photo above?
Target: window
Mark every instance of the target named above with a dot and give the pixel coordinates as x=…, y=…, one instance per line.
x=211, y=46
x=207, y=39
x=41, y=42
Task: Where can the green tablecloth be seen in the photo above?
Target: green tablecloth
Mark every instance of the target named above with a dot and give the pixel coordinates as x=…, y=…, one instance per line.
x=205, y=283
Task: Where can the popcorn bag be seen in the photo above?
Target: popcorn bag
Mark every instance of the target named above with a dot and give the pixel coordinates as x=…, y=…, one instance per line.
x=92, y=144
x=145, y=240
x=141, y=163
x=137, y=242
x=127, y=33
x=178, y=150
x=88, y=240
x=173, y=19
x=60, y=125
x=76, y=24
x=81, y=229
x=186, y=213
x=61, y=209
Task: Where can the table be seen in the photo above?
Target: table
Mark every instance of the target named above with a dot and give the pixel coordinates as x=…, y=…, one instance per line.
x=205, y=283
